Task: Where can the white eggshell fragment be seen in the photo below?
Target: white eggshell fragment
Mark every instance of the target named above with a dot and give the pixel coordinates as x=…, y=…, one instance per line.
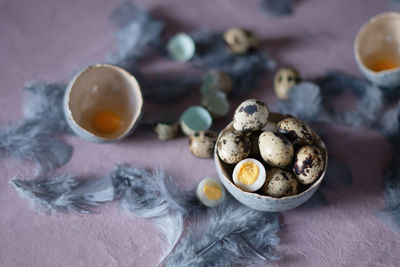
x=233, y=147
x=240, y=175
x=295, y=130
x=166, y=131
x=210, y=192
x=275, y=149
x=308, y=164
x=284, y=80
x=279, y=183
x=250, y=115
x=202, y=143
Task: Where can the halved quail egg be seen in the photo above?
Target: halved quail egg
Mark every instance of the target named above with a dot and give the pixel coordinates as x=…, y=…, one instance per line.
x=210, y=192
x=249, y=175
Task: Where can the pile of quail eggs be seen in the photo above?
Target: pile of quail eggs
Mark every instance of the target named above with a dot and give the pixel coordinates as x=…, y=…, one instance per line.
x=274, y=159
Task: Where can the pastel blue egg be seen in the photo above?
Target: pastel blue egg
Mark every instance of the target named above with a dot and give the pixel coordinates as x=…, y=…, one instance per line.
x=195, y=118
x=181, y=47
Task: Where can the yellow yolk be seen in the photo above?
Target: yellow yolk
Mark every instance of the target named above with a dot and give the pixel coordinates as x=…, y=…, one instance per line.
x=384, y=65
x=212, y=191
x=248, y=173
x=106, y=122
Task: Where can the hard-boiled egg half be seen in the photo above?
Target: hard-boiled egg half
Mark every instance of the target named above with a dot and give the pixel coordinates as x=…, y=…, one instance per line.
x=249, y=175
x=210, y=192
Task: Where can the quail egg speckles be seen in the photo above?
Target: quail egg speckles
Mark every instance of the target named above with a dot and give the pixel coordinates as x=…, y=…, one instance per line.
x=240, y=41
x=279, y=183
x=210, y=192
x=202, y=143
x=296, y=131
x=249, y=175
x=308, y=164
x=251, y=115
x=275, y=149
x=284, y=80
x=233, y=147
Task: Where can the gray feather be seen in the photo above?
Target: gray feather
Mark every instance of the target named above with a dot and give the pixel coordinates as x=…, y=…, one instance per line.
x=366, y=111
x=138, y=35
x=277, y=8
x=233, y=234
x=151, y=194
x=66, y=193
x=388, y=124
x=245, y=70
x=32, y=138
x=391, y=213
x=304, y=101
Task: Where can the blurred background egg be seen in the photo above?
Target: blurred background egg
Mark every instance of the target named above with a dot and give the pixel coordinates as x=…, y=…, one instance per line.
x=210, y=192
x=103, y=103
x=249, y=175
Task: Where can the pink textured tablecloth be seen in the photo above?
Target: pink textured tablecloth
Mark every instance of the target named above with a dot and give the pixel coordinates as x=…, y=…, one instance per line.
x=49, y=40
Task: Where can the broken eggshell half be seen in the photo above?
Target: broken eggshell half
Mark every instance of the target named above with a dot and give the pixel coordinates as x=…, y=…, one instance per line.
x=376, y=49
x=103, y=103
x=194, y=119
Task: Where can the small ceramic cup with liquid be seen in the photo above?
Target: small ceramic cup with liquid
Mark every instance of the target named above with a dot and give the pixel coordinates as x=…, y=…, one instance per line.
x=103, y=103
x=377, y=49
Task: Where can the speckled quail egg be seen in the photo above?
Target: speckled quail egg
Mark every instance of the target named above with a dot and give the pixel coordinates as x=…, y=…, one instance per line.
x=284, y=80
x=308, y=164
x=210, y=192
x=239, y=41
x=295, y=130
x=202, y=143
x=279, y=183
x=233, y=146
x=275, y=149
x=249, y=175
x=250, y=115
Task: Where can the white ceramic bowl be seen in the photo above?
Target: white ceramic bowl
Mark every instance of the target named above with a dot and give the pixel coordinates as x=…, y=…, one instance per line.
x=262, y=202
x=378, y=41
x=103, y=88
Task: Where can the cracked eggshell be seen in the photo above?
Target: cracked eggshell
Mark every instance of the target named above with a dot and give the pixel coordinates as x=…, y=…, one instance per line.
x=103, y=88
x=308, y=164
x=284, y=80
x=216, y=103
x=233, y=147
x=166, y=131
x=250, y=115
x=296, y=130
x=279, y=183
x=202, y=143
x=181, y=47
x=275, y=149
x=216, y=80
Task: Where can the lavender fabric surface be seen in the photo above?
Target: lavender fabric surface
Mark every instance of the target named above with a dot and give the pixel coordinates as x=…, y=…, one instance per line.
x=50, y=40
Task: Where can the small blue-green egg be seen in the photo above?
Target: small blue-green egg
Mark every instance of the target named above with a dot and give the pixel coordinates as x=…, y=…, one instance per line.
x=216, y=103
x=194, y=119
x=181, y=47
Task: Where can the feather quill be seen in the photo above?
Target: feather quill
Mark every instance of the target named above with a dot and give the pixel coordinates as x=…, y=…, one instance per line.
x=233, y=234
